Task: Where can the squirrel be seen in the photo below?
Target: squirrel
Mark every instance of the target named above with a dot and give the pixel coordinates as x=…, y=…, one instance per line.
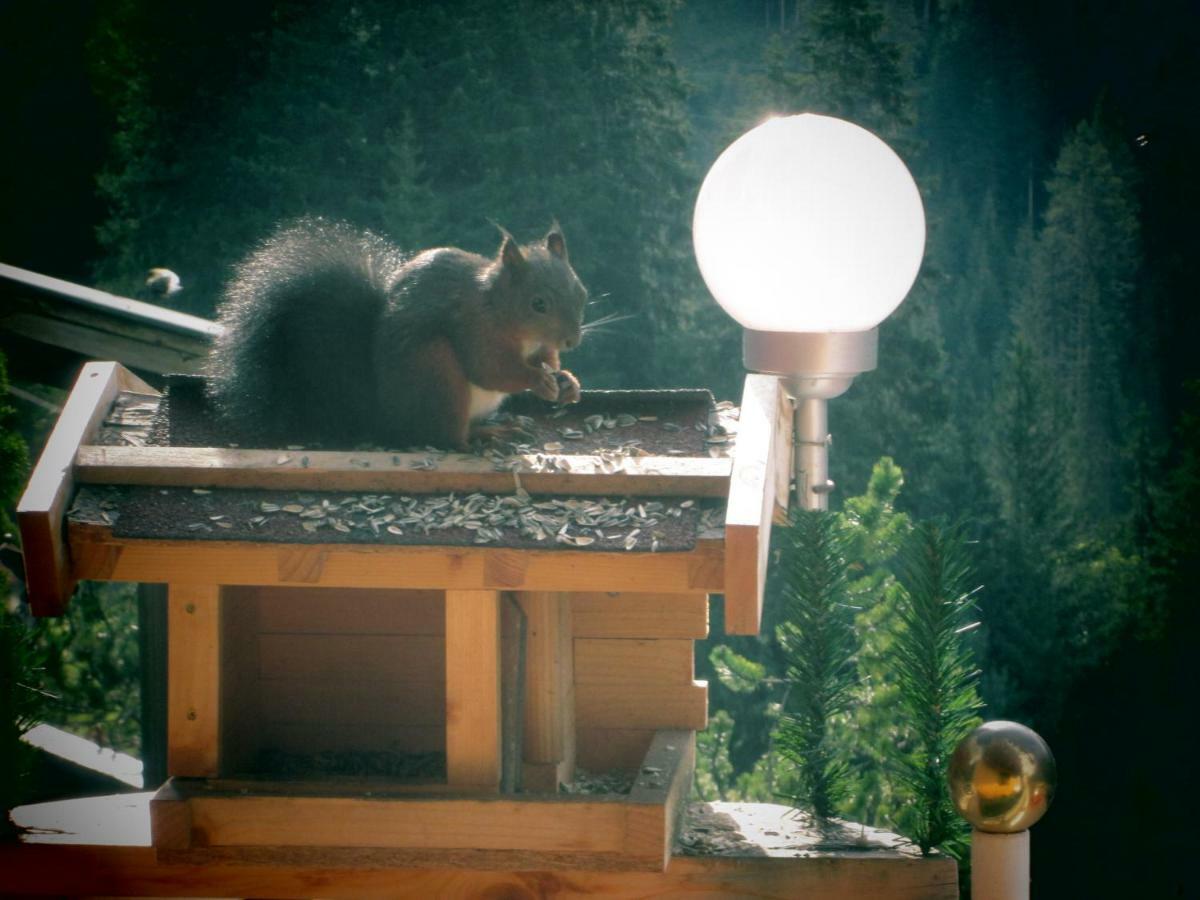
x=334, y=336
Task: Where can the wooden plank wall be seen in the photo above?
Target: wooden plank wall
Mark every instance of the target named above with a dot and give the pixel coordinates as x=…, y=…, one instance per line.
x=310, y=670
x=634, y=673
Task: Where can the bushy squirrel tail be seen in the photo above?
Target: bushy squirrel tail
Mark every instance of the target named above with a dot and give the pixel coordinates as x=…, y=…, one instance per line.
x=299, y=314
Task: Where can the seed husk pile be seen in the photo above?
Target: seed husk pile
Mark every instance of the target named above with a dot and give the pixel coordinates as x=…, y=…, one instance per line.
x=491, y=518
x=509, y=520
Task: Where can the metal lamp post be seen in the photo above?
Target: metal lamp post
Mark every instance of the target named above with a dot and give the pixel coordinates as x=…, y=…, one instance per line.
x=809, y=231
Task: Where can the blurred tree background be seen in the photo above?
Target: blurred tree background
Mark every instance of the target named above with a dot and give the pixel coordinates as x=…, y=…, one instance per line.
x=1039, y=385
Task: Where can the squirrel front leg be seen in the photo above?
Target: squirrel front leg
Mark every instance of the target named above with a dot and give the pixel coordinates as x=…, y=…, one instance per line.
x=426, y=398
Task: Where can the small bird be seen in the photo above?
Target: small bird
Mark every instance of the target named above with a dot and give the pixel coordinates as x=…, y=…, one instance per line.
x=162, y=282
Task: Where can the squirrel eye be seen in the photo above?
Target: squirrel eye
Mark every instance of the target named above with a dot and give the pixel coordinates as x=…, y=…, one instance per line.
x=540, y=305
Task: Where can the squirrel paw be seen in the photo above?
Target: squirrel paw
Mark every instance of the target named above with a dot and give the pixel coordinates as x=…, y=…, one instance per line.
x=568, y=387
x=545, y=383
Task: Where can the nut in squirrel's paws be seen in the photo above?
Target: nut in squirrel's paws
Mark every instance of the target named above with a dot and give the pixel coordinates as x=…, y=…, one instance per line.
x=557, y=386
x=546, y=384
x=568, y=387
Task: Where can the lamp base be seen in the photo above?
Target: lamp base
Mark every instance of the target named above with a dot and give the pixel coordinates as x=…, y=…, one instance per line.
x=817, y=365
x=814, y=367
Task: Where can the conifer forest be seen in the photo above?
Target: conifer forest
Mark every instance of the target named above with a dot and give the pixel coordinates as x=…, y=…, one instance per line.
x=1029, y=444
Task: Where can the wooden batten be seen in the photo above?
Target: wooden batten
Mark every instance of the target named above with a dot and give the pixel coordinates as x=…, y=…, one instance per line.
x=642, y=705
x=96, y=553
x=753, y=490
x=50, y=579
x=473, y=713
x=412, y=473
x=625, y=660
x=638, y=615
x=194, y=680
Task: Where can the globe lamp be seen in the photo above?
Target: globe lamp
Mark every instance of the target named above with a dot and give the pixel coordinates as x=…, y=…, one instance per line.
x=809, y=231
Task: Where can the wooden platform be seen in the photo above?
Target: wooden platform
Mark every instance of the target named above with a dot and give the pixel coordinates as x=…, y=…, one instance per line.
x=101, y=847
x=383, y=822
x=730, y=559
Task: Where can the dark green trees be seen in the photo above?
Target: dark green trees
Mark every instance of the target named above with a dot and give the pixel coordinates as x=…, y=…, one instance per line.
x=427, y=122
x=1074, y=314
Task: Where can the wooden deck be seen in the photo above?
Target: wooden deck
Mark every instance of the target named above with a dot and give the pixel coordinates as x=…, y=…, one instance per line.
x=101, y=847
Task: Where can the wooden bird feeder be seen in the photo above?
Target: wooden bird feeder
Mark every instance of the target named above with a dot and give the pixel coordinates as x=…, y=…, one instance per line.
x=378, y=690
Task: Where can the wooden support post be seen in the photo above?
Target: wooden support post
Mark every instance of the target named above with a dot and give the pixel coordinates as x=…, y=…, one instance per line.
x=170, y=819
x=758, y=463
x=473, y=757
x=549, y=691
x=513, y=635
x=193, y=680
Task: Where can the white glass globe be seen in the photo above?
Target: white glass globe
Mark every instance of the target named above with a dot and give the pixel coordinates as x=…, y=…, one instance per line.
x=809, y=224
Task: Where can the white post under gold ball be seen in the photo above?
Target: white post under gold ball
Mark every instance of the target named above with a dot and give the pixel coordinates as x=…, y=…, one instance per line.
x=1002, y=779
x=999, y=865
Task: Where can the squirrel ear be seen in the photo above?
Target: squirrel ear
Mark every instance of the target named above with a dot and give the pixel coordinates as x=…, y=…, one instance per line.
x=511, y=255
x=556, y=243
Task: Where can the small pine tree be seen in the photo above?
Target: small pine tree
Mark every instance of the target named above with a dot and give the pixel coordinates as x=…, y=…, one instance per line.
x=936, y=675
x=818, y=641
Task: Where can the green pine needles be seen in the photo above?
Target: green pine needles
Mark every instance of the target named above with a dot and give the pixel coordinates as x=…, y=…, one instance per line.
x=936, y=675
x=819, y=644
x=880, y=680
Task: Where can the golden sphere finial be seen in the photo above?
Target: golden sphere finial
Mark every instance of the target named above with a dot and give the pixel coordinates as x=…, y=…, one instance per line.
x=1002, y=777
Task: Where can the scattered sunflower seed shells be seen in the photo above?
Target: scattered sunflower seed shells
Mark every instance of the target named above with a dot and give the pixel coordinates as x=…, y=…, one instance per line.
x=489, y=518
